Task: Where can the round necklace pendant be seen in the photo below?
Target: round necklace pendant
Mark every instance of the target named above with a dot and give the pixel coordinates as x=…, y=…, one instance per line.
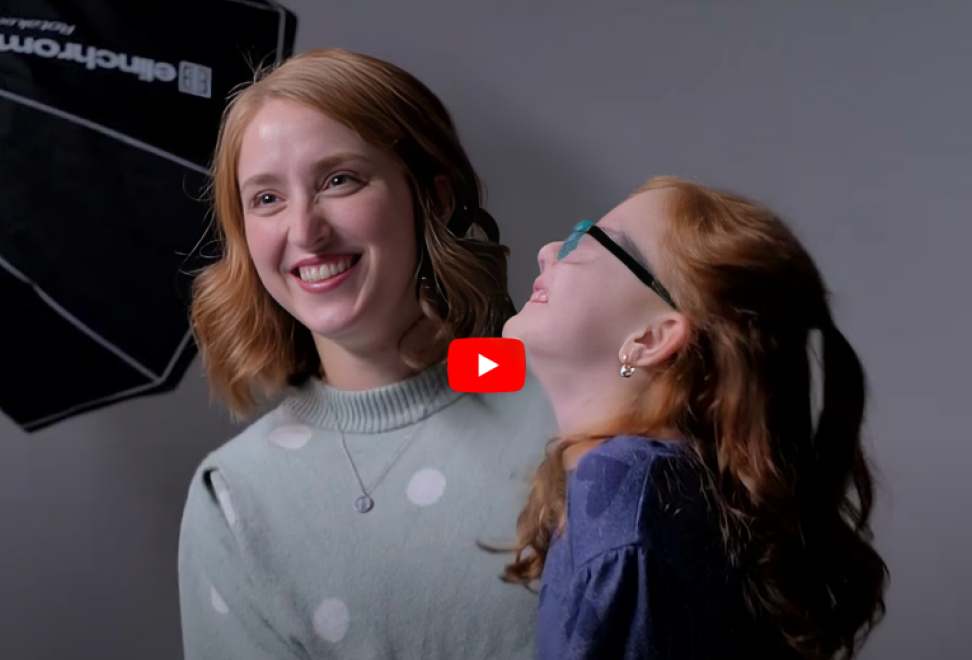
x=364, y=504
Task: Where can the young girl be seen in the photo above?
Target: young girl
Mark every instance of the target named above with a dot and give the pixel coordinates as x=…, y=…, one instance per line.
x=695, y=506
x=344, y=523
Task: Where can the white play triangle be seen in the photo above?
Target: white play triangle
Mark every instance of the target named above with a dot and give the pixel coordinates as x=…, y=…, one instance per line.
x=486, y=365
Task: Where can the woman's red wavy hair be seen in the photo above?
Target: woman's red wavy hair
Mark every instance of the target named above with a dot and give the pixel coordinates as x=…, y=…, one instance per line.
x=251, y=345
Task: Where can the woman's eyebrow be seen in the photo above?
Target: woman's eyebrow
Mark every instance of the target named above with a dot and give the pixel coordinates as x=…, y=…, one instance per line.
x=268, y=178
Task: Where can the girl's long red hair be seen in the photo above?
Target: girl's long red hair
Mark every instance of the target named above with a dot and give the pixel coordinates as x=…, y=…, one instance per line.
x=794, y=496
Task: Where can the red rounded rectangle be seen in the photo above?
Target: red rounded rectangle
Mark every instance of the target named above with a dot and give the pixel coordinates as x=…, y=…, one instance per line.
x=487, y=365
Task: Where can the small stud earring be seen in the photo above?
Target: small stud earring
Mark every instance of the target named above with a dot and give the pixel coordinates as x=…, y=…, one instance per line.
x=626, y=369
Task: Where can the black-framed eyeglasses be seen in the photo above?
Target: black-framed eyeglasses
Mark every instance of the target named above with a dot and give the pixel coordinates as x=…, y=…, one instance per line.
x=595, y=232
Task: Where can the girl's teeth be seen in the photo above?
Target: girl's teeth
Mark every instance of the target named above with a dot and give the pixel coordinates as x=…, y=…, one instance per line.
x=539, y=296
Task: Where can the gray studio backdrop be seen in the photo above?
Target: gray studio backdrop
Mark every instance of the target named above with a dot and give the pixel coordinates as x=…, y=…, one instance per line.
x=851, y=118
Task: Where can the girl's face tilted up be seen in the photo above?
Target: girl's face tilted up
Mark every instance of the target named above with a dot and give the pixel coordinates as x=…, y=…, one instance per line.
x=329, y=224
x=590, y=312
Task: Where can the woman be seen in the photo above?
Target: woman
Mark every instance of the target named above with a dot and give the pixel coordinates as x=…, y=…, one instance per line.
x=344, y=523
x=693, y=507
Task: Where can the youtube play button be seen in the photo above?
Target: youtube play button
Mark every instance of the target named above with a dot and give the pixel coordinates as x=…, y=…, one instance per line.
x=487, y=365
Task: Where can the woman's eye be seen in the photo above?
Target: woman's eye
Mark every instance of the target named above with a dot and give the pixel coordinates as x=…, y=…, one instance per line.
x=266, y=198
x=344, y=183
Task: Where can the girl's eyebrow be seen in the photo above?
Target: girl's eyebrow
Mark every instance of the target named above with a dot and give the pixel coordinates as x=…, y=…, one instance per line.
x=628, y=245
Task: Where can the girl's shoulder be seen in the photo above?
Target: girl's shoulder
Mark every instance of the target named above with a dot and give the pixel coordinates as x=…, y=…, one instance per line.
x=628, y=463
x=636, y=450
x=629, y=490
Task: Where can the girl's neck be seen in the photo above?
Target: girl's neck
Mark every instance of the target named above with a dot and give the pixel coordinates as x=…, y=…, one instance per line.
x=597, y=407
x=585, y=405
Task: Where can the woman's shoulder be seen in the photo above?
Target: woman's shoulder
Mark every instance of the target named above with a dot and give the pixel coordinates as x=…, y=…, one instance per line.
x=247, y=451
x=248, y=464
x=525, y=398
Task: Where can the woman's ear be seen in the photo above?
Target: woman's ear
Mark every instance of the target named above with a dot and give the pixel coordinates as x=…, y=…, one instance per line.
x=447, y=201
x=658, y=342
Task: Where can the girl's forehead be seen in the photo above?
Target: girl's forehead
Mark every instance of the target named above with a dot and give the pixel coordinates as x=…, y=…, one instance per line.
x=640, y=218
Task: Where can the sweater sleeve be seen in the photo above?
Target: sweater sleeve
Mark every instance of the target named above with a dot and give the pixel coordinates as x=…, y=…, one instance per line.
x=225, y=613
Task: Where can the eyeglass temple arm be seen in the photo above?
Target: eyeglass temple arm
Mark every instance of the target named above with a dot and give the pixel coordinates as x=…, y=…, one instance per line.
x=598, y=234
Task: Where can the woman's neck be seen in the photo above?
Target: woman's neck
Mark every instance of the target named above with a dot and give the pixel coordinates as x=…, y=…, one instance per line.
x=359, y=368
x=375, y=410
x=350, y=372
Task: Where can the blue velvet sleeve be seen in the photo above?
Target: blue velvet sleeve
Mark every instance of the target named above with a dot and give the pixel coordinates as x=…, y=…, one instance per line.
x=608, y=613
x=594, y=602
x=638, y=572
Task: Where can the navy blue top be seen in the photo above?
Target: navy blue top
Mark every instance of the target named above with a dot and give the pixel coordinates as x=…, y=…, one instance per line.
x=641, y=571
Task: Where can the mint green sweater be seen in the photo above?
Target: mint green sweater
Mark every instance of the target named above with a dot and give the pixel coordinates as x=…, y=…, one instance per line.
x=276, y=562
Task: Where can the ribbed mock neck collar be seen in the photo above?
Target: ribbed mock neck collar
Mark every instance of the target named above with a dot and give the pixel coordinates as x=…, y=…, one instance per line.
x=374, y=411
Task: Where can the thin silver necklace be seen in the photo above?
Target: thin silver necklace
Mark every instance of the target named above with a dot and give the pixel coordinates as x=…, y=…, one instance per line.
x=365, y=502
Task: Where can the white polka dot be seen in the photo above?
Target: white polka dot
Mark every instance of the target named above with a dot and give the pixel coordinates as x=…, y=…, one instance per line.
x=226, y=504
x=426, y=487
x=331, y=620
x=218, y=603
x=291, y=436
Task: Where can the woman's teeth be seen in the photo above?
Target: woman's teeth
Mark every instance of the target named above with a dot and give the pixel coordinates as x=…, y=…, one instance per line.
x=324, y=271
x=539, y=296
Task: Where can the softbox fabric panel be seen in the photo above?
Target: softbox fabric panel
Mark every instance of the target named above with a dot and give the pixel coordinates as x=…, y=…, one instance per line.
x=108, y=116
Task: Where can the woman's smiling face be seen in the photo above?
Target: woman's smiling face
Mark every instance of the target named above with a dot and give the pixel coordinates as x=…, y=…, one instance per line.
x=329, y=224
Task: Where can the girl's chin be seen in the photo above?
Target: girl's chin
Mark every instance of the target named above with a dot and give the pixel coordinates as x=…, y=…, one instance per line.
x=513, y=328
x=525, y=327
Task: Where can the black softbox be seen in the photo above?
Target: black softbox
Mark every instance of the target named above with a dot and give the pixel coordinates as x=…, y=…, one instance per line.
x=108, y=116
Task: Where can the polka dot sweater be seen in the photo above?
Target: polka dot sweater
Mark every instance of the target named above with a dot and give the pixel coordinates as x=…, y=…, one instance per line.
x=276, y=561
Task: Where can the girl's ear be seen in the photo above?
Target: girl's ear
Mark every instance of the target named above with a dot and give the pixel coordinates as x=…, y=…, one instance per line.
x=656, y=343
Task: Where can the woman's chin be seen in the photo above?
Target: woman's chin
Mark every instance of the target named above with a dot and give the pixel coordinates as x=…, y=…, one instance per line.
x=326, y=326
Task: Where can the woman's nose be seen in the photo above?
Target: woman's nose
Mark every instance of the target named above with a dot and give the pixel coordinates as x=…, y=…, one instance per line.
x=548, y=254
x=309, y=227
